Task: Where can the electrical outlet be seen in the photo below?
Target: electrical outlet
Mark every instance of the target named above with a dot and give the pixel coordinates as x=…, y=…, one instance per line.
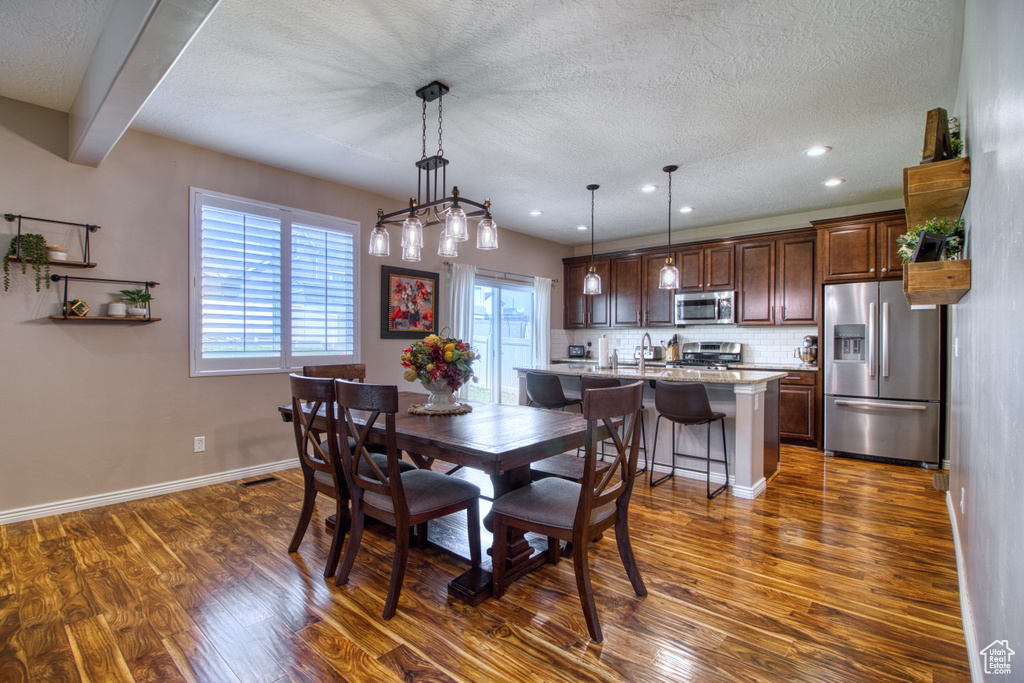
x=200, y=444
x=956, y=347
x=963, y=493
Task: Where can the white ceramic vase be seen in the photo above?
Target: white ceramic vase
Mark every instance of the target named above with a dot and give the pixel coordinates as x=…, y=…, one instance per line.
x=117, y=309
x=442, y=398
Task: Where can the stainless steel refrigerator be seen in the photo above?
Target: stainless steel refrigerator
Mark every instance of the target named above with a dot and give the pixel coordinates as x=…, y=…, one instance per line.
x=882, y=373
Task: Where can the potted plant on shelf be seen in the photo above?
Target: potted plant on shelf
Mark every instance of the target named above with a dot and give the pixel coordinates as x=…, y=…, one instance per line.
x=951, y=229
x=32, y=249
x=137, y=300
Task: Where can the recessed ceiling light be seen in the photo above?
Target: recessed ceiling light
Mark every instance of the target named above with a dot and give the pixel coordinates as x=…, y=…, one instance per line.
x=581, y=227
x=648, y=188
x=686, y=209
x=535, y=212
x=832, y=182
x=817, y=151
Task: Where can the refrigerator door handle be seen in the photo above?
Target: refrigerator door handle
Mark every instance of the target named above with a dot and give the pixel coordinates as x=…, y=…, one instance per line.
x=887, y=406
x=885, y=339
x=871, y=338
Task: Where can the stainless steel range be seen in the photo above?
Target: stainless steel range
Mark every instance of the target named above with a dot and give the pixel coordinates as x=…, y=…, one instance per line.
x=708, y=355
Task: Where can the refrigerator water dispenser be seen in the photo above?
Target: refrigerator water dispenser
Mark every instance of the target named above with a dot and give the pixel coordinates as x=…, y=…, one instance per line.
x=850, y=343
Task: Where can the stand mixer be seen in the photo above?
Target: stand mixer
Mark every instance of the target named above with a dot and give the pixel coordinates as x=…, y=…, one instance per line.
x=808, y=352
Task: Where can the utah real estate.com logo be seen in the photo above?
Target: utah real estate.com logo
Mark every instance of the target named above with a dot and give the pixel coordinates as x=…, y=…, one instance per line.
x=997, y=657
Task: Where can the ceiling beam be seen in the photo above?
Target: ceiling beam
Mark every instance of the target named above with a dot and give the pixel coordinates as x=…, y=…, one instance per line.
x=140, y=42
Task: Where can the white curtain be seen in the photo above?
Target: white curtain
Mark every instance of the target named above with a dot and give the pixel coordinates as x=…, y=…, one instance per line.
x=541, y=320
x=460, y=304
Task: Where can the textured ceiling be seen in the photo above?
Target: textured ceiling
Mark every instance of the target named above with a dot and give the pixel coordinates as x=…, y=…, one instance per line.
x=546, y=97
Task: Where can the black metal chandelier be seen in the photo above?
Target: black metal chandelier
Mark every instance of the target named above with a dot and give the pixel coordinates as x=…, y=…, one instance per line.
x=432, y=206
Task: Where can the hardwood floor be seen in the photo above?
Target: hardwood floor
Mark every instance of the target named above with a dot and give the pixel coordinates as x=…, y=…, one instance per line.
x=842, y=571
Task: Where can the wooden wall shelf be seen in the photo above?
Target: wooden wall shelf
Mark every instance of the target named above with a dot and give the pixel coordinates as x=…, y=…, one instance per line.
x=936, y=189
x=102, y=319
x=937, y=282
x=62, y=264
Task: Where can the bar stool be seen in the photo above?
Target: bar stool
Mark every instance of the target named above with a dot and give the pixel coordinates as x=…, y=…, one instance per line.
x=687, y=403
x=587, y=383
x=546, y=391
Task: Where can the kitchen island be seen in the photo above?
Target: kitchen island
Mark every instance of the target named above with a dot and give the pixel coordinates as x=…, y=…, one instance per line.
x=749, y=399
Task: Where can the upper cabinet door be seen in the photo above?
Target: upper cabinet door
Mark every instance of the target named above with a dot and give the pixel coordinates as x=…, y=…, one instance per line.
x=848, y=252
x=890, y=262
x=575, y=312
x=757, y=283
x=719, y=267
x=626, y=286
x=657, y=303
x=796, y=298
x=600, y=304
x=690, y=263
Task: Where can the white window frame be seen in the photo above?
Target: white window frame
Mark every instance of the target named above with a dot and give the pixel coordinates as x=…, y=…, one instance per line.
x=284, y=361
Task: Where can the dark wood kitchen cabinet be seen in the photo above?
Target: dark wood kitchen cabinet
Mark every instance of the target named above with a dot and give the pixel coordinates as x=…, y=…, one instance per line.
x=625, y=291
x=859, y=248
x=581, y=310
x=796, y=293
x=658, y=304
x=707, y=269
x=756, y=266
x=799, y=408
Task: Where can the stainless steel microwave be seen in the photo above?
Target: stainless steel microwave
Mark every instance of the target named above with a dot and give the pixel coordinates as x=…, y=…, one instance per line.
x=705, y=308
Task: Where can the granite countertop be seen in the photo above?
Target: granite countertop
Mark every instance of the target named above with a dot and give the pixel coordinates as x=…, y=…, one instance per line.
x=675, y=374
x=791, y=367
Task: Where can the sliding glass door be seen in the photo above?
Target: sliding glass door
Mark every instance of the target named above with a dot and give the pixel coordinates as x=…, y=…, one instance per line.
x=503, y=332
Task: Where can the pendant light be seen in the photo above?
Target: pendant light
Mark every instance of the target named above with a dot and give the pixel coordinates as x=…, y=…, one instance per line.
x=592, y=282
x=668, y=278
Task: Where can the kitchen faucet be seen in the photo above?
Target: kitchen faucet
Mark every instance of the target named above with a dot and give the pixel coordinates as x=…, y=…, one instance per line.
x=645, y=342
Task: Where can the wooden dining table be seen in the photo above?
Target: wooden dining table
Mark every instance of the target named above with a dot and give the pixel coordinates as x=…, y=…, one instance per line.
x=500, y=439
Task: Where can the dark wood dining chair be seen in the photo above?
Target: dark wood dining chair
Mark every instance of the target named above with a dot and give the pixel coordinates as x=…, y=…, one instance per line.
x=320, y=459
x=351, y=371
x=580, y=512
x=401, y=499
x=603, y=383
x=565, y=465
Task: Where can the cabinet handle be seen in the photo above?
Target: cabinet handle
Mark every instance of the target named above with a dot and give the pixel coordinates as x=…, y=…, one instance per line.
x=871, y=270
x=883, y=270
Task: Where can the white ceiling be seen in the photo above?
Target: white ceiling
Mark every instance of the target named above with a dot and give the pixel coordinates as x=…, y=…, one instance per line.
x=546, y=97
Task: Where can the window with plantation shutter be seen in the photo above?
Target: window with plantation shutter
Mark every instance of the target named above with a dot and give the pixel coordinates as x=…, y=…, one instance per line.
x=273, y=288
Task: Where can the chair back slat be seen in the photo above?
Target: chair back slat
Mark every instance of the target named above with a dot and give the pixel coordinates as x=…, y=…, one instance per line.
x=601, y=407
x=349, y=371
x=375, y=400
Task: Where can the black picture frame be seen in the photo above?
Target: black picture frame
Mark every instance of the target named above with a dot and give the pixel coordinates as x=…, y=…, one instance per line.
x=929, y=247
x=408, y=303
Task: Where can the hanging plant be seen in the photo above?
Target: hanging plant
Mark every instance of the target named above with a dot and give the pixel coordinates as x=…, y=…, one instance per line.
x=33, y=250
x=952, y=229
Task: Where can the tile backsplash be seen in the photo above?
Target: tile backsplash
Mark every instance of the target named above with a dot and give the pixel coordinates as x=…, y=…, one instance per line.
x=760, y=344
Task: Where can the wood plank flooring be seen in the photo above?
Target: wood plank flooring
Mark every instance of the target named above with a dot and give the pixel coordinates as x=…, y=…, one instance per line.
x=842, y=571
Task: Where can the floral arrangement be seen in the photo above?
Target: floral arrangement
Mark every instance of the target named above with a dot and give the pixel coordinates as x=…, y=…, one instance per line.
x=953, y=229
x=439, y=359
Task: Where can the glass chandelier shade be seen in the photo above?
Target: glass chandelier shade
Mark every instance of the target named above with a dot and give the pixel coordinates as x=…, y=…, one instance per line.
x=410, y=253
x=592, y=282
x=412, y=233
x=380, y=241
x=447, y=245
x=455, y=224
x=668, y=278
x=487, y=234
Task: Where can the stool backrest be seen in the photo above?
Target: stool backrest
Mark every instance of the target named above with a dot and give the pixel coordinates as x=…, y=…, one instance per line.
x=587, y=383
x=544, y=390
x=682, y=400
x=601, y=407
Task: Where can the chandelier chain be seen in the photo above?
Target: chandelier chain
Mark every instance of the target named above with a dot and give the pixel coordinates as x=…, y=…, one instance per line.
x=424, y=130
x=440, y=147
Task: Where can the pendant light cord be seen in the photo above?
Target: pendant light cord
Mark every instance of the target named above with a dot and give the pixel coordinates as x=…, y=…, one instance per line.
x=592, y=229
x=668, y=254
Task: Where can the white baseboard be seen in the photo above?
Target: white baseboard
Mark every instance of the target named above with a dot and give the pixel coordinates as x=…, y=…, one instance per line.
x=970, y=637
x=748, y=492
x=48, y=509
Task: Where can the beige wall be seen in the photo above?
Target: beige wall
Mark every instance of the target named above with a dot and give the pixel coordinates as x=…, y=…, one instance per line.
x=94, y=409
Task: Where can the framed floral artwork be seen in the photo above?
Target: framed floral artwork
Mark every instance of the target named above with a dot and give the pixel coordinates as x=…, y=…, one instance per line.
x=408, y=303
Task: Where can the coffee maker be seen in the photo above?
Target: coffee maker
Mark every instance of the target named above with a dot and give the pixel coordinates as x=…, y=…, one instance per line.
x=808, y=353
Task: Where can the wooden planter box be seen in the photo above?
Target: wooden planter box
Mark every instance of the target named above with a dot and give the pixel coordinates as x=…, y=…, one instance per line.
x=937, y=282
x=938, y=189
